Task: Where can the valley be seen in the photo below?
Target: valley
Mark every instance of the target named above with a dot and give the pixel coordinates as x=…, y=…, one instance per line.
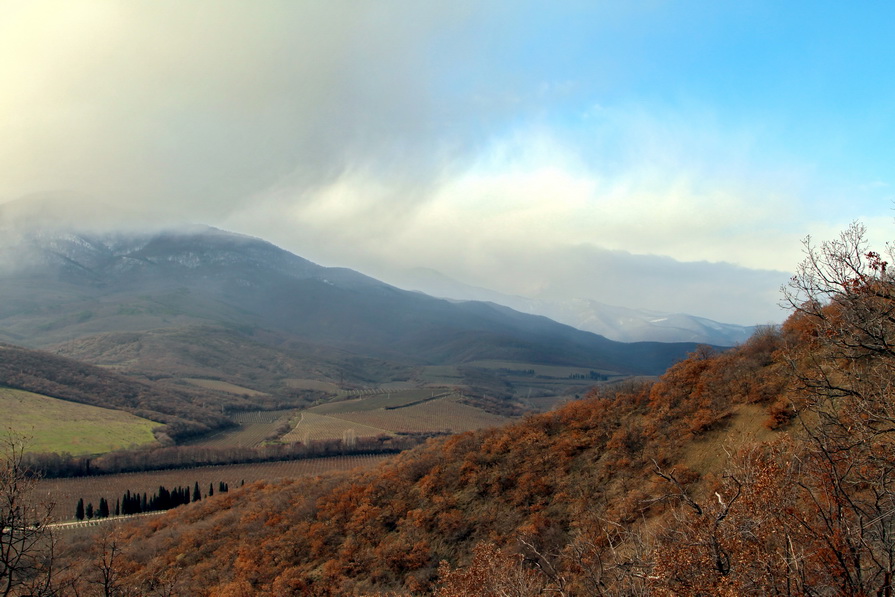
x=221, y=360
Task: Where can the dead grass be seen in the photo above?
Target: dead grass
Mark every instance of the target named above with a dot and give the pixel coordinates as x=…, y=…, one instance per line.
x=711, y=453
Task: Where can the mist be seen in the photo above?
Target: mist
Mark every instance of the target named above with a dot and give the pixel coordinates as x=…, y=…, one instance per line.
x=570, y=151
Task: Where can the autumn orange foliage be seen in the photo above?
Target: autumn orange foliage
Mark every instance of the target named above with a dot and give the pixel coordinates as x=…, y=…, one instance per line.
x=602, y=496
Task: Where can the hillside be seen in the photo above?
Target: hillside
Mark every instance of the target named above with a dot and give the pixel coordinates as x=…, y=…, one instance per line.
x=64, y=427
x=60, y=286
x=183, y=411
x=552, y=481
x=761, y=470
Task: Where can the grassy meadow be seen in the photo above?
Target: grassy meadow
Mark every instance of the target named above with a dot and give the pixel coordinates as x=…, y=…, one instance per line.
x=53, y=425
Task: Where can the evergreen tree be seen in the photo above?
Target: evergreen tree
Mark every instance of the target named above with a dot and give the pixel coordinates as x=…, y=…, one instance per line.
x=210, y=489
x=118, y=507
x=103, y=508
x=89, y=511
x=197, y=495
x=79, y=511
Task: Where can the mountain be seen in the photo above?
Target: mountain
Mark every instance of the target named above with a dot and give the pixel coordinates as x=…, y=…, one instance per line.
x=59, y=285
x=623, y=324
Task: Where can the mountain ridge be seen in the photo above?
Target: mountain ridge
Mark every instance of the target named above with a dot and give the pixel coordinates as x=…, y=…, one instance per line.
x=94, y=283
x=622, y=324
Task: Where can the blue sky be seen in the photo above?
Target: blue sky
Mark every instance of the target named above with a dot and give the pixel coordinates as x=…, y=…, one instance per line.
x=664, y=155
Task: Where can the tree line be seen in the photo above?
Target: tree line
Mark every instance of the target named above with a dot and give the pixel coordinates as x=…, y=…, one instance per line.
x=136, y=503
x=51, y=465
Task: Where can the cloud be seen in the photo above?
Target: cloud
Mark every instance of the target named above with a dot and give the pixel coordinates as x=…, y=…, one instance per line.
x=202, y=105
x=532, y=217
x=500, y=143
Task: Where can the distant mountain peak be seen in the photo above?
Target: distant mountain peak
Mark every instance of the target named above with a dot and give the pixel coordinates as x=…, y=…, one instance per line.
x=623, y=324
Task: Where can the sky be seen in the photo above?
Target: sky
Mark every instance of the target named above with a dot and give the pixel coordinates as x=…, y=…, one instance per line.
x=668, y=155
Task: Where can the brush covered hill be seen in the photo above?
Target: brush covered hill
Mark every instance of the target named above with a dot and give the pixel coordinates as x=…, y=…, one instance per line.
x=574, y=486
x=764, y=470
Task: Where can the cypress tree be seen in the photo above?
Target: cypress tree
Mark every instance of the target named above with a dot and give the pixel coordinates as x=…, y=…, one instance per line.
x=89, y=511
x=103, y=508
x=197, y=495
x=79, y=511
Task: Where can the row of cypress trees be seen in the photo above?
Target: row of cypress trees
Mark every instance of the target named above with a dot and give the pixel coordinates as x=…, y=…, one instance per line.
x=137, y=503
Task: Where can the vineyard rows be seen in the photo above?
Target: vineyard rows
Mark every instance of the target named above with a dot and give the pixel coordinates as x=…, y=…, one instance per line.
x=66, y=492
x=312, y=426
x=441, y=414
x=260, y=416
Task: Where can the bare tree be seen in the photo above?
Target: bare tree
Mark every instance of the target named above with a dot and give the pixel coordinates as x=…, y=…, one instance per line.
x=843, y=296
x=27, y=543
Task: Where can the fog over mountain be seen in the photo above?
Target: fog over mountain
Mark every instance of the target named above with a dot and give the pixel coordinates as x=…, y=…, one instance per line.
x=616, y=323
x=60, y=283
x=53, y=221
x=595, y=151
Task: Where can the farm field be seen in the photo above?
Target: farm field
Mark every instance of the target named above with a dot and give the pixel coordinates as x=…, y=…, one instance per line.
x=312, y=426
x=254, y=428
x=247, y=435
x=383, y=400
x=538, y=370
x=440, y=374
x=66, y=492
x=222, y=386
x=377, y=412
x=441, y=414
x=311, y=384
x=53, y=425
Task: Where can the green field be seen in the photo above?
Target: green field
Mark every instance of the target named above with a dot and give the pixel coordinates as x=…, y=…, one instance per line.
x=52, y=425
